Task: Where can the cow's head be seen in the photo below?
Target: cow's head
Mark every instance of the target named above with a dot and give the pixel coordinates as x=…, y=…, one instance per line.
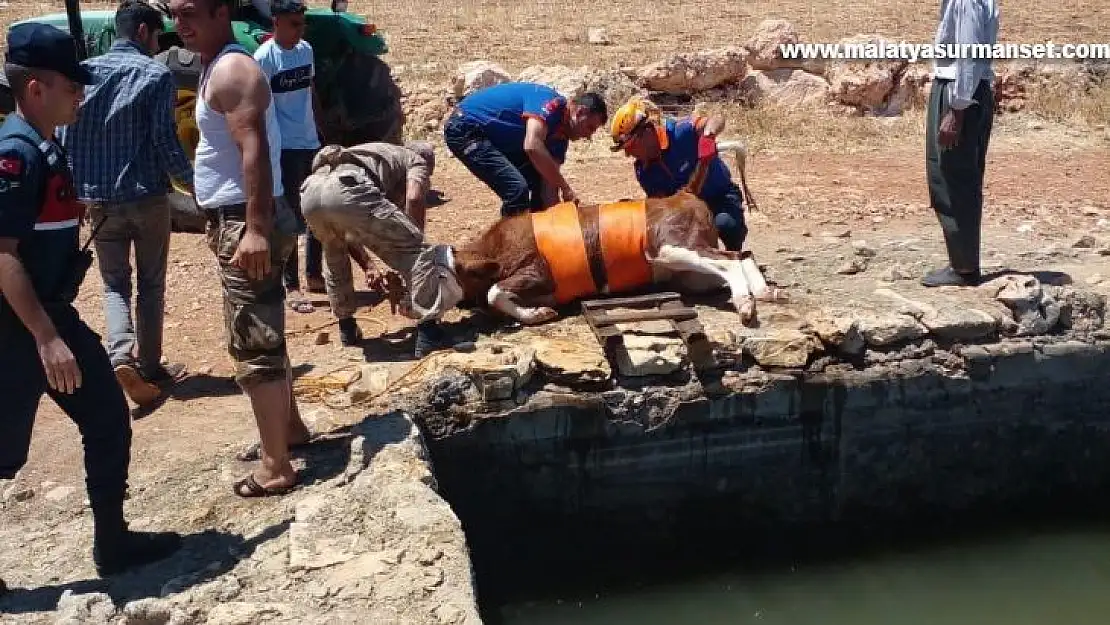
x=476, y=274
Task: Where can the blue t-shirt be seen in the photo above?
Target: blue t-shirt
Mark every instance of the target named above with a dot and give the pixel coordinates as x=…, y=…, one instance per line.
x=672, y=171
x=290, y=73
x=38, y=204
x=503, y=111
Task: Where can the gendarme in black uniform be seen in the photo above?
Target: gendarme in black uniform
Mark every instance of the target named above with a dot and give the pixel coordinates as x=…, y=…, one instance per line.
x=39, y=210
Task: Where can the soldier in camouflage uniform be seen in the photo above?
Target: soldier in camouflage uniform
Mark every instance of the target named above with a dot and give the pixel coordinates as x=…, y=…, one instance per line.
x=353, y=196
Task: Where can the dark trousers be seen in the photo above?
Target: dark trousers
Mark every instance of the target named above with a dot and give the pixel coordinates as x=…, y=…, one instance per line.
x=955, y=175
x=511, y=177
x=97, y=408
x=296, y=165
x=728, y=217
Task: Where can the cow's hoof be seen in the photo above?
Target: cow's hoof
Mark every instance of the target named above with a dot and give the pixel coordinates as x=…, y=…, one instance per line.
x=746, y=308
x=774, y=294
x=536, y=316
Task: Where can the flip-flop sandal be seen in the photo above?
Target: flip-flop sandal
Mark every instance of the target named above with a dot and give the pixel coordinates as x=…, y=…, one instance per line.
x=254, y=489
x=253, y=451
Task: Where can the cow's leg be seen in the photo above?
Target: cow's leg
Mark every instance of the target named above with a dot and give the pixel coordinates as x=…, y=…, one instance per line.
x=730, y=271
x=505, y=301
x=757, y=284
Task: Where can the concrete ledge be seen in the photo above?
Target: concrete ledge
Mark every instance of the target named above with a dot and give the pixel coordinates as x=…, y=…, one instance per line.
x=1020, y=419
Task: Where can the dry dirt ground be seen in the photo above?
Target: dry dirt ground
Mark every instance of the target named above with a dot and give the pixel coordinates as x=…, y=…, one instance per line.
x=1046, y=185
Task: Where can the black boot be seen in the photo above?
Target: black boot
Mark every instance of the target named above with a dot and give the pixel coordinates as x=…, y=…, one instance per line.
x=349, y=332
x=430, y=337
x=117, y=549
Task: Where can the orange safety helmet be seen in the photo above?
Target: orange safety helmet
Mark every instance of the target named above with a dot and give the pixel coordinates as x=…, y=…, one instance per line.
x=631, y=117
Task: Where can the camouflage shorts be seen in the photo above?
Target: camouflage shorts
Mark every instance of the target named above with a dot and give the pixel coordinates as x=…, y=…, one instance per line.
x=254, y=310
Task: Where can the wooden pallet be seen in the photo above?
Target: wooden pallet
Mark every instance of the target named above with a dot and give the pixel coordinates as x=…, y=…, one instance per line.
x=666, y=306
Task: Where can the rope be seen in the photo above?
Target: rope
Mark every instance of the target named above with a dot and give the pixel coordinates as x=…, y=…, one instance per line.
x=322, y=388
x=381, y=323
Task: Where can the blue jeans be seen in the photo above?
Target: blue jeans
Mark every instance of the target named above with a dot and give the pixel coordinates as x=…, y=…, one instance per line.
x=728, y=217
x=511, y=177
x=144, y=224
x=97, y=408
x=296, y=165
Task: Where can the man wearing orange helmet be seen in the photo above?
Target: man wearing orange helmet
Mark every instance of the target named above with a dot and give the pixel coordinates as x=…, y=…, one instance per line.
x=666, y=152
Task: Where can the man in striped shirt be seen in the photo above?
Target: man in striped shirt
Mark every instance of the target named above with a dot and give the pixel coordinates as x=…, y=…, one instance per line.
x=121, y=150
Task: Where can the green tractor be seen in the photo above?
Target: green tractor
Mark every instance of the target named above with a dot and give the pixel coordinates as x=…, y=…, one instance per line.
x=360, y=101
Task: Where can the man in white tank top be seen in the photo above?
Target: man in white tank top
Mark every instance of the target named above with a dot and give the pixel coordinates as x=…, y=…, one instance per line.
x=251, y=230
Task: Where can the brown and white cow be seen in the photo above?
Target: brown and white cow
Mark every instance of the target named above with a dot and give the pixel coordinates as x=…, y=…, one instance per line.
x=526, y=265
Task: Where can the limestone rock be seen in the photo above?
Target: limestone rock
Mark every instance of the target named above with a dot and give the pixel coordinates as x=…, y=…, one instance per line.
x=148, y=612
x=17, y=492
x=882, y=330
x=780, y=348
x=1082, y=311
x=788, y=88
x=373, y=380
x=960, y=323
x=645, y=355
x=763, y=46
x=499, y=376
x=613, y=86
x=1033, y=308
x=911, y=91
x=1085, y=242
x=475, y=75
x=695, y=71
x=94, y=608
x=852, y=266
x=838, y=330
x=865, y=84
x=60, y=493
x=764, y=52
x=244, y=613
x=598, y=37
x=571, y=362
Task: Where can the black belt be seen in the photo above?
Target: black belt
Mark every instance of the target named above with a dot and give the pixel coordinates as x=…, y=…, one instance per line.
x=234, y=211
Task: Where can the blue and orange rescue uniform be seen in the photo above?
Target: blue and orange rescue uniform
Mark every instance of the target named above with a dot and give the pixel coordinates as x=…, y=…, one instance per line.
x=486, y=132
x=672, y=171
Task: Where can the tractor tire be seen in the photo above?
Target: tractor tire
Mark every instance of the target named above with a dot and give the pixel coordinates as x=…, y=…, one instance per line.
x=7, y=99
x=185, y=215
x=364, y=104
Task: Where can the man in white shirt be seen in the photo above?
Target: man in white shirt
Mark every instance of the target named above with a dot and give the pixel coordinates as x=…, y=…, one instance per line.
x=287, y=60
x=958, y=130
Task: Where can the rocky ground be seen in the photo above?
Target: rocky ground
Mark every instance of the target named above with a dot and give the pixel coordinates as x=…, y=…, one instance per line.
x=844, y=224
x=833, y=228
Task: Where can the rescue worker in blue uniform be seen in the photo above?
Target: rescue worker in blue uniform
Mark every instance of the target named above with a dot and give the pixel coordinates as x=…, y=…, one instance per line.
x=514, y=138
x=666, y=153
x=45, y=347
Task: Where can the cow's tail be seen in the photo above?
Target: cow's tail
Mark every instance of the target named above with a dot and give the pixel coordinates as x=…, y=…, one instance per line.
x=739, y=151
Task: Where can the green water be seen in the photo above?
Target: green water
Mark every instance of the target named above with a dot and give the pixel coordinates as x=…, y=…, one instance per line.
x=1058, y=576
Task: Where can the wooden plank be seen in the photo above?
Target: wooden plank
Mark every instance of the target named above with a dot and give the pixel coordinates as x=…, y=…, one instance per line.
x=622, y=302
x=678, y=314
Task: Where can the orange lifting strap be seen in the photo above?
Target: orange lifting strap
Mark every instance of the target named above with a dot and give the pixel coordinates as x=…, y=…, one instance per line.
x=623, y=236
x=559, y=239
x=623, y=228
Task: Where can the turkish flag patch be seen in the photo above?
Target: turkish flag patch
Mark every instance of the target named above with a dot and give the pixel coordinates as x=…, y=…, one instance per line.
x=707, y=147
x=11, y=166
x=552, y=106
